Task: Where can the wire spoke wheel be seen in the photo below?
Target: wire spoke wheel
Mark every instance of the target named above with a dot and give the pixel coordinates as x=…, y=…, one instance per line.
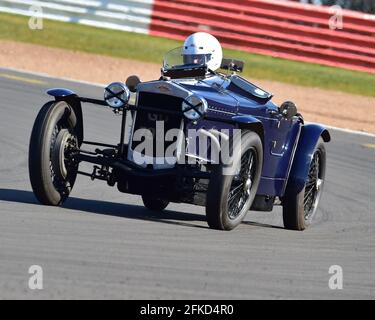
x=313, y=186
x=241, y=185
x=53, y=141
x=53, y=167
x=299, y=208
x=63, y=143
x=231, y=193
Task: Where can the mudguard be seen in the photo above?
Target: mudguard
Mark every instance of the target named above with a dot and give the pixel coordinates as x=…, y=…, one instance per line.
x=309, y=137
x=61, y=94
x=250, y=123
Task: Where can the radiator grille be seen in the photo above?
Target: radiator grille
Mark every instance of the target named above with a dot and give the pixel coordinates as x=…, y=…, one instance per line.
x=159, y=107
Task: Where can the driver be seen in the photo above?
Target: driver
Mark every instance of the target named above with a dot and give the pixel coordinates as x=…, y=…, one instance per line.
x=204, y=49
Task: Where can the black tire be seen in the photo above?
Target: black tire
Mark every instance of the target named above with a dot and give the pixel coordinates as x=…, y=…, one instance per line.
x=222, y=186
x=153, y=203
x=299, y=209
x=52, y=177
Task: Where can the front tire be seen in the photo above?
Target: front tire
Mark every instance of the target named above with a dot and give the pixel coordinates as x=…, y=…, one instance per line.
x=229, y=196
x=299, y=209
x=52, y=173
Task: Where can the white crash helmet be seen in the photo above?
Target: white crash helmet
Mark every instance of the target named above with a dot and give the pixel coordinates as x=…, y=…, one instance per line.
x=202, y=47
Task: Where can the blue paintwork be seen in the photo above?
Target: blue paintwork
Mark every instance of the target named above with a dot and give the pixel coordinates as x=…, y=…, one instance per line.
x=245, y=119
x=61, y=93
x=287, y=144
x=66, y=94
x=310, y=135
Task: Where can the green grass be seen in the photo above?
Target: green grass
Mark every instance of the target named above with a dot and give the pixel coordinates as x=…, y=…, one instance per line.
x=152, y=49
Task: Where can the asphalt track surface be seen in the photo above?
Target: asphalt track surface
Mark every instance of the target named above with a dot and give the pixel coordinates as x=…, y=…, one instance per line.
x=103, y=244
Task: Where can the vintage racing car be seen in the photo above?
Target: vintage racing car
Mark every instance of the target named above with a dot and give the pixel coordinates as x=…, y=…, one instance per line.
x=172, y=141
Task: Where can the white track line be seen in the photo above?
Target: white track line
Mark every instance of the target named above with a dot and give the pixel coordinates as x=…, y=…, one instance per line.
x=361, y=133
x=44, y=75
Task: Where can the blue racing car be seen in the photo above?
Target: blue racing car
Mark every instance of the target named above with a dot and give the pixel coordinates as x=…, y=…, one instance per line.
x=200, y=134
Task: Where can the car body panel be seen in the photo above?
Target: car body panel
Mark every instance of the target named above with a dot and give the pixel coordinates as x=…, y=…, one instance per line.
x=310, y=135
x=279, y=135
x=61, y=93
x=288, y=144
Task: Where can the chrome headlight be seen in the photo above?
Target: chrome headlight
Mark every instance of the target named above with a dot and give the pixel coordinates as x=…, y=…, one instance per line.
x=116, y=95
x=194, y=107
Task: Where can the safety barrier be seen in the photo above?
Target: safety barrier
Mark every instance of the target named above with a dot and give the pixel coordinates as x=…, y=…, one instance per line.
x=278, y=28
x=284, y=29
x=125, y=15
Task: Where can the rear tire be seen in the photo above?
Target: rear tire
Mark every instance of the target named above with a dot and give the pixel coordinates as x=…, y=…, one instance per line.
x=299, y=209
x=226, y=207
x=52, y=176
x=153, y=203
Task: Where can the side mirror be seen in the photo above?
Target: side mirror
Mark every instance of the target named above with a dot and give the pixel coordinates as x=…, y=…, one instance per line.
x=132, y=83
x=288, y=109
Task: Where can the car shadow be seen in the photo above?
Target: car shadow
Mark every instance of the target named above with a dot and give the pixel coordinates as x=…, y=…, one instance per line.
x=122, y=210
x=261, y=225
